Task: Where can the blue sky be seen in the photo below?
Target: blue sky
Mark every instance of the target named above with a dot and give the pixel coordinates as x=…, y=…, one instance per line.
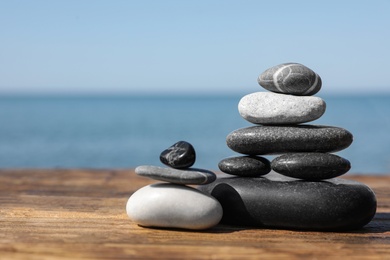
x=212, y=46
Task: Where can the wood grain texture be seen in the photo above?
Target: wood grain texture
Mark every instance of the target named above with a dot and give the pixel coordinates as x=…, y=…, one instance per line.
x=80, y=214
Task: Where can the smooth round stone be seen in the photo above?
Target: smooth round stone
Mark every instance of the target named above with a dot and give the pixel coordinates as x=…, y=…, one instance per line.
x=173, y=206
x=246, y=166
x=180, y=155
x=257, y=140
x=276, y=109
x=311, y=166
x=290, y=78
x=187, y=176
x=276, y=201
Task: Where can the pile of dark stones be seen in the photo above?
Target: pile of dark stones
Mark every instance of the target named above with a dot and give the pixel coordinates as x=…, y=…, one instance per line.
x=297, y=189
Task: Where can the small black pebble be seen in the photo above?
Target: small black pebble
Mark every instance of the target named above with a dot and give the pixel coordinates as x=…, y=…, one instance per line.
x=180, y=155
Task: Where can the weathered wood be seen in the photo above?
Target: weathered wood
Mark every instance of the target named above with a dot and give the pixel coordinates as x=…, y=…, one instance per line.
x=71, y=214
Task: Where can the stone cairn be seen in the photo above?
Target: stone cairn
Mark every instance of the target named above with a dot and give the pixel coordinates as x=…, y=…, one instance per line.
x=173, y=204
x=301, y=192
x=305, y=148
x=313, y=199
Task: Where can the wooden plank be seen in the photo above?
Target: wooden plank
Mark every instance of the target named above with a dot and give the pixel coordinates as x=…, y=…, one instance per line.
x=71, y=214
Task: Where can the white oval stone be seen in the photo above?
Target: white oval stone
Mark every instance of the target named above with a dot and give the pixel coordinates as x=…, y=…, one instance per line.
x=269, y=108
x=173, y=206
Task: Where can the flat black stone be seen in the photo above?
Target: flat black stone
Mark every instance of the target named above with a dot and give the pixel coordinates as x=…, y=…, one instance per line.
x=191, y=176
x=258, y=140
x=276, y=201
x=180, y=155
x=246, y=166
x=311, y=166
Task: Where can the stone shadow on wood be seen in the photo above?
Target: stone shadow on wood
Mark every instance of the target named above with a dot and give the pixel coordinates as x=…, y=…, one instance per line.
x=379, y=224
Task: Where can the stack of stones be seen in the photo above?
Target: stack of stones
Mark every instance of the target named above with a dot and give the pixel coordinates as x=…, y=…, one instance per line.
x=173, y=204
x=305, y=201
x=306, y=147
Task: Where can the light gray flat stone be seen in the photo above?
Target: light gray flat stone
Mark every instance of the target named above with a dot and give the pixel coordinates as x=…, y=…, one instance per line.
x=269, y=108
x=290, y=78
x=183, y=176
x=173, y=206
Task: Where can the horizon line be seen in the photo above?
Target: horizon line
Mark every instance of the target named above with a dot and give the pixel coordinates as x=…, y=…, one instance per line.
x=173, y=94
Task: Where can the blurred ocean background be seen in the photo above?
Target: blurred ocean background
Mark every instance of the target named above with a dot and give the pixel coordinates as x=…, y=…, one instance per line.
x=127, y=131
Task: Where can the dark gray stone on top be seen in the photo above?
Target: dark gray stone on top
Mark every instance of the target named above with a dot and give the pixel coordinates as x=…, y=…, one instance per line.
x=180, y=155
x=276, y=201
x=290, y=78
x=185, y=176
x=246, y=166
x=311, y=166
x=258, y=140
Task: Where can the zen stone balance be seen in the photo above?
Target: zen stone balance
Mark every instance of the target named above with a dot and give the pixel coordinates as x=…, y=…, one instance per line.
x=298, y=189
x=173, y=204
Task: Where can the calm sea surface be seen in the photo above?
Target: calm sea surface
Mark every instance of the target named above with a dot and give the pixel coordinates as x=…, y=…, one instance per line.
x=123, y=132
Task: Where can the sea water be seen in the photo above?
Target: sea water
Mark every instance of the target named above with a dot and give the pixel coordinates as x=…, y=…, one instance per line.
x=127, y=131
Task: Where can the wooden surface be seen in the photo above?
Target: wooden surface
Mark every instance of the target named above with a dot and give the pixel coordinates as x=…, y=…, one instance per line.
x=73, y=214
